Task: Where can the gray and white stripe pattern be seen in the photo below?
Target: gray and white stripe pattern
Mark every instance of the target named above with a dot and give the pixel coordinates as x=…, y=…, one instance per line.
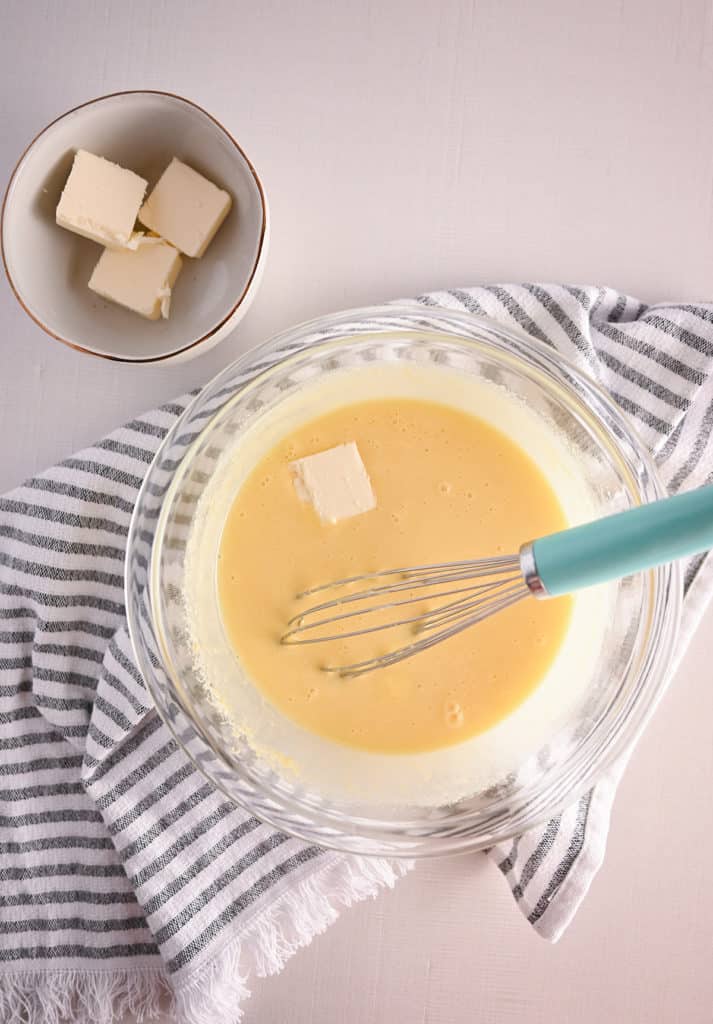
x=126, y=875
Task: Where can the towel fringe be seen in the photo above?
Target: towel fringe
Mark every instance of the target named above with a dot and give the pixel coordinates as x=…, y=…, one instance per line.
x=215, y=991
x=83, y=997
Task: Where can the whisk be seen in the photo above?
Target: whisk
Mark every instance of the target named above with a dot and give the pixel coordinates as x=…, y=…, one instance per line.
x=461, y=594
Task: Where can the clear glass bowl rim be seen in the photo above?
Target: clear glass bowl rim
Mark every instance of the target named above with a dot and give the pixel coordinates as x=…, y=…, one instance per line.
x=348, y=833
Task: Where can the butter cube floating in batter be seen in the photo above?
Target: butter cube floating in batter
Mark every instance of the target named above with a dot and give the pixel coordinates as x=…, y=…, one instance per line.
x=140, y=279
x=185, y=208
x=335, y=482
x=100, y=200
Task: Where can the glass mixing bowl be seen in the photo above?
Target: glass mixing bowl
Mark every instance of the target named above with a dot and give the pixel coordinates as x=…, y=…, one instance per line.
x=624, y=674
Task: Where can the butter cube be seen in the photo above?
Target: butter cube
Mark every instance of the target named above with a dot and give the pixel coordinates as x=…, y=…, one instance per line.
x=185, y=208
x=335, y=482
x=140, y=279
x=100, y=200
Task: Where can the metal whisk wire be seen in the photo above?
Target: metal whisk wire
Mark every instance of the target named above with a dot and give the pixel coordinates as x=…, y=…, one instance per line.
x=490, y=585
x=581, y=556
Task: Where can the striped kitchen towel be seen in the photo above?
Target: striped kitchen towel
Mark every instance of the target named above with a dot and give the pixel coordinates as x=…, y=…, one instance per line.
x=126, y=875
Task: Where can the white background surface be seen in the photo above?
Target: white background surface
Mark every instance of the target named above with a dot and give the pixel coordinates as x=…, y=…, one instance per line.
x=407, y=145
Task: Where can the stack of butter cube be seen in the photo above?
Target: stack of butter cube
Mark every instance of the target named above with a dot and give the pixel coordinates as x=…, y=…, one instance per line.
x=138, y=269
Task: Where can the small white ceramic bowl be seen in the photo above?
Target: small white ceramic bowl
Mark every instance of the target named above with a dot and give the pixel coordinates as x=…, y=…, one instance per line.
x=49, y=267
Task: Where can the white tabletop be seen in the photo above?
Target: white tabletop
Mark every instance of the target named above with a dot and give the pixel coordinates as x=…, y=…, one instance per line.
x=405, y=146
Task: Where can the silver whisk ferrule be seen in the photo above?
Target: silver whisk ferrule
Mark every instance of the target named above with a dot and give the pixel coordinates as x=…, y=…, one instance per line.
x=460, y=594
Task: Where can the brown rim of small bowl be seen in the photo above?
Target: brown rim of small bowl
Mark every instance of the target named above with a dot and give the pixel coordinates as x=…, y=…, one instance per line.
x=263, y=227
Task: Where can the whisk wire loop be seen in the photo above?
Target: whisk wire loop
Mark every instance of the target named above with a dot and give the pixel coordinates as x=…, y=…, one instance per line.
x=489, y=585
x=392, y=657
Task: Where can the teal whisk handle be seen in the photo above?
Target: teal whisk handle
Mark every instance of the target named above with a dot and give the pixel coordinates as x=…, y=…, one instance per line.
x=622, y=544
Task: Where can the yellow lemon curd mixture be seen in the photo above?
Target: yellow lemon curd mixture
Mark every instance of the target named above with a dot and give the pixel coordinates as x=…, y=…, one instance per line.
x=448, y=486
